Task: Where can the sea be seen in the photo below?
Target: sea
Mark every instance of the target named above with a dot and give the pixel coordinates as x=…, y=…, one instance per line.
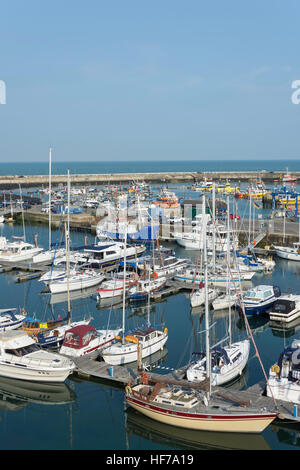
x=144, y=166
x=89, y=414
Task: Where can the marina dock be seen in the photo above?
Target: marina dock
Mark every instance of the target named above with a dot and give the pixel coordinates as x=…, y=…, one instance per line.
x=90, y=368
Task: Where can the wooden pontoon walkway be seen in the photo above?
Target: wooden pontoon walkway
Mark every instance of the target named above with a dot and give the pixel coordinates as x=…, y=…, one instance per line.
x=122, y=375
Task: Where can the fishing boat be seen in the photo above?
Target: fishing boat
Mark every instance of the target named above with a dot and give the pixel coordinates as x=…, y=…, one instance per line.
x=10, y=320
x=32, y=325
x=21, y=358
x=259, y=299
x=167, y=199
x=284, y=376
x=85, y=340
x=285, y=309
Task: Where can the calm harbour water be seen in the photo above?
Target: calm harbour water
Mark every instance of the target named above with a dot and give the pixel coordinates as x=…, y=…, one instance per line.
x=86, y=415
x=103, y=167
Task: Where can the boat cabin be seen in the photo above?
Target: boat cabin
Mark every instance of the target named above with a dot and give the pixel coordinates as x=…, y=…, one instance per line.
x=79, y=336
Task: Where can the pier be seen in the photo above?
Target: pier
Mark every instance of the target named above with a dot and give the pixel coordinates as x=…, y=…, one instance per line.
x=13, y=181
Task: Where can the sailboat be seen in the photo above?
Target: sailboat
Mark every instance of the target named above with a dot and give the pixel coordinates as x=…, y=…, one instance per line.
x=226, y=362
x=189, y=407
x=79, y=279
x=126, y=349
x=46, y=257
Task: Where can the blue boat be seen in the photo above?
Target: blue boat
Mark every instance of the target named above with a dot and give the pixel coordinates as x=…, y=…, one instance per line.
x=259, y=299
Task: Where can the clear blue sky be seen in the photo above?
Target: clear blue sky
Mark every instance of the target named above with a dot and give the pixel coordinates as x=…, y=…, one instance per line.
x=142, y=80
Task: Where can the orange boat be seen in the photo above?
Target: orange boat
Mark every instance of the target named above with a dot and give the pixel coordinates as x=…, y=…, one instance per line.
x=167, y=199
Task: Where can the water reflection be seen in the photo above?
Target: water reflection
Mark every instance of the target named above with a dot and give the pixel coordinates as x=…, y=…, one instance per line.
x=178, y=438
x=16, y=394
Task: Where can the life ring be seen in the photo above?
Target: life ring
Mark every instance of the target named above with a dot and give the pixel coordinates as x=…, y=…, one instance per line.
x=276, y=368
x=128, y=390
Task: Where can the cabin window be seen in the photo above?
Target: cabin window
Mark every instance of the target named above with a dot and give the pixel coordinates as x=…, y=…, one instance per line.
x=267, y=294
x=166, y=401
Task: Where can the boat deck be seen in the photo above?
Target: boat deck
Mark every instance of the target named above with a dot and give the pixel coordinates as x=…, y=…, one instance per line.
x=122, y=375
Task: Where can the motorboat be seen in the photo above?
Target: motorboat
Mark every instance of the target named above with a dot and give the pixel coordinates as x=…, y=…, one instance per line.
x=21, y=358
x=284, y=375
x=10, y=320
x=53, y=338
x=258, y=299
x=83, y=340
x=285, y=309
x=125, y=350
x=110, y=253
x=227, y=363
x=18, y=251
x=290, y=253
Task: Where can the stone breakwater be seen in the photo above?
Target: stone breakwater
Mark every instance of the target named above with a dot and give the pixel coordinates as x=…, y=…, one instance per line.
x=13, y=181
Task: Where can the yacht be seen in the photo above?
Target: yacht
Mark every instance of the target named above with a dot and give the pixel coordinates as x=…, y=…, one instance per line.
x=287, y=252
x=285, y=309
x=122, y=352
x=83, y=340
x=10, y=320
x=17, y=251
x=284, y=376
x=78, y=280
x=259, y=299
x=110, y=253
x=227, y=363
x=21, y=358
x=145, y=287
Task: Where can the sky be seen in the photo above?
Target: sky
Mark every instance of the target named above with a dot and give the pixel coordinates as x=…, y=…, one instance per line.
x=149, y=80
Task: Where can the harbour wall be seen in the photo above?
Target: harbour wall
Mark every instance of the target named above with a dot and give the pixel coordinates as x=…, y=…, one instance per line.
x=13, y=181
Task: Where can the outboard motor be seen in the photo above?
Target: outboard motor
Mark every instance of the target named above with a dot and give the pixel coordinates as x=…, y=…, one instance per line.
x=277, y=291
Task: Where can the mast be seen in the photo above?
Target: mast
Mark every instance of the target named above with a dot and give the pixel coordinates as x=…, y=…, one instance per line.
x=22, y=209
x=207, y=339
x=50, y=158
x=214, y=231
x=68, y=248
x=228, y=264
x=124, y=284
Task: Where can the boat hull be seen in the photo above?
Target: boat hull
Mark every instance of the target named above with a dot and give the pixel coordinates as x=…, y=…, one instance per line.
x=36, y=375
x=238, y=422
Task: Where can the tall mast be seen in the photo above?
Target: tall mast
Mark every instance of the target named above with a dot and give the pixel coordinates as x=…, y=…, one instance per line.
x=124, y=285
x=228, y=265
x=207, y=339
x=50, y=158
x=68, y=248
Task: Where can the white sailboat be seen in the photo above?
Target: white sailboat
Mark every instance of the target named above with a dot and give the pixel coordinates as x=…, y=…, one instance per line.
x=126, y=349
x=227, y=362
x=46, y=257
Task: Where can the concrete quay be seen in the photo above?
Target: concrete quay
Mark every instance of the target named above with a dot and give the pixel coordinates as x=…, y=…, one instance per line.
x=13, y=181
